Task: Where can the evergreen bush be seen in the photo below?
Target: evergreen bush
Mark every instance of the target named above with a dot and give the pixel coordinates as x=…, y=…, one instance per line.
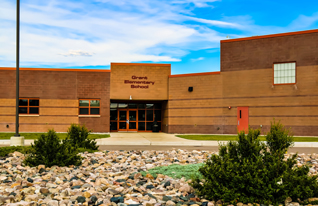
x=251, y=171
x=5, y=151
x=49, y=150
x=77, y=135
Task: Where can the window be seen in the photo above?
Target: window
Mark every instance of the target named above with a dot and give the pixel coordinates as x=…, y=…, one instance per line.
x=29, y=106
x=285, y=73
x=89, y=107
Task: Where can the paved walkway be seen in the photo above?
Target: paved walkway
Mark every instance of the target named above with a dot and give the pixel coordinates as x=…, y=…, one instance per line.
x=143, y=138
x=155, y=139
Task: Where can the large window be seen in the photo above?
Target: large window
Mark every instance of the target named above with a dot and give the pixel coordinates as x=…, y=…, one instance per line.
x=29, y=106
x=285, y=73
x=89, y=107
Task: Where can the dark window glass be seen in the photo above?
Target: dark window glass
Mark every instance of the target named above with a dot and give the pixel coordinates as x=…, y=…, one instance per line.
x=122, y=115
x=94, y=110
x=23, y=102
x=83, y=111
x=33, y=102
x=33, y=110
x=132, y=125
x=122, y=125
x=141, y=106
x=133, y=106
x=113, y=105
x=113, y=114
x=122, y=105
x=95, y=103
x=158, y=115
x=141, y=126
x=149, y=106
x=113, y=125
x=132, y=115
x=149, y=115
x=141, y=115
x=159, y=125
x=158, y=106
x=23, y=110
x=83, y=103
x=149, y=125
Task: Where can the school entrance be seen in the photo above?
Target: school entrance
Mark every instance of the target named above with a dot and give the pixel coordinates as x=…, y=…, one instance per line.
x=135, y=117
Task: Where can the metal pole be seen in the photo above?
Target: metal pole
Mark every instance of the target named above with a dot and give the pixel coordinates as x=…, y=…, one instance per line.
x=17, y=71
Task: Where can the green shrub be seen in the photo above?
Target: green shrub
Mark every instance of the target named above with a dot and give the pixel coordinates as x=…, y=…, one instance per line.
x=250, y=171
x=78, y=137
x=49, y=151
x=5, y=151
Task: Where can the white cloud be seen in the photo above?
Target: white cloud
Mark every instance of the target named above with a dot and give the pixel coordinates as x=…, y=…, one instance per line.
x=76, y=53
x=197, y=59
x=113, y=31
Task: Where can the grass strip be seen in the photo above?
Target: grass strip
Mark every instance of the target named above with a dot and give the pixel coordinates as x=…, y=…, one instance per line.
x=175, y=171
x=234, y=137
x=60, y=135
x=5, y=151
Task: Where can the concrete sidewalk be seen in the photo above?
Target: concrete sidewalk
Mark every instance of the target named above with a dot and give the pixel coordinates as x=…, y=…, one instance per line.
x=143, y=138
x=162, y=139
x=156, y=139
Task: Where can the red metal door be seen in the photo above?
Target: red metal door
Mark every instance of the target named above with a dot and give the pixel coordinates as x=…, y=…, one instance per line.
x=242, y=119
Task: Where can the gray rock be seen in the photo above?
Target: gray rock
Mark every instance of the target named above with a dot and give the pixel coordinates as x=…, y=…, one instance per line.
x=166, y=198
x=81, y=199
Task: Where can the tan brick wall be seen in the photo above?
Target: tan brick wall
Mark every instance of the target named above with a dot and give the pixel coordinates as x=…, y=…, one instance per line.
x=262, y=53
x=58, y=92
x=207, y=110
x=154, y=73
x=95, y=85
x=199, y=111
x=294, y=105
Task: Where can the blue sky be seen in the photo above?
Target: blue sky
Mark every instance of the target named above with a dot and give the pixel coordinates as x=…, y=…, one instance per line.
x=184, y=33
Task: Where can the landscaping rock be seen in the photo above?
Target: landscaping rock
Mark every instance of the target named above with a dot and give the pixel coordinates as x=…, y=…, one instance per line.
x=104, y=179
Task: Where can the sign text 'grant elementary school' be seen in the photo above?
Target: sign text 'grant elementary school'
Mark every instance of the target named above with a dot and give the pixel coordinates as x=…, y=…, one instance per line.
x=140, y=81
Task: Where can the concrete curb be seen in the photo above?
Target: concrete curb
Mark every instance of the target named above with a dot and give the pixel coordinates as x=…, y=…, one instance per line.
x=113, y=141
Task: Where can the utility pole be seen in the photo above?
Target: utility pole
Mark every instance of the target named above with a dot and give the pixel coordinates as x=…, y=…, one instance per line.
x=17, y=140
x=17, y=71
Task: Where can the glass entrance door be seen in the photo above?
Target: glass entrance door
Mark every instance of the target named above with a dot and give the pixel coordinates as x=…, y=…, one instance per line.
x=132, y=126
x=127, y=120
x=122, y=117
x=135, y=116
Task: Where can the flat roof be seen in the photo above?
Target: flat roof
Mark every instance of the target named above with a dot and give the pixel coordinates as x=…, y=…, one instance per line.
x=270, y=35
x=55, y=69
x=193, y=74
x=142, y=64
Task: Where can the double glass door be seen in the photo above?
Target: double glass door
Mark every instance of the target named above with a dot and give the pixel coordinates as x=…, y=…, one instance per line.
x=127, y=120
x=134, y=116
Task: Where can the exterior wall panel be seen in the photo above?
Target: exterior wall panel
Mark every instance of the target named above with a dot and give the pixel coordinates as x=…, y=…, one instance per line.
x=157, y=74
x=58, y=92
x=199, y=111
x=261, y=53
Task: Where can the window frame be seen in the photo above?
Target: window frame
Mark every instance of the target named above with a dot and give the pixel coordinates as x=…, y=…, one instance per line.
x=28, y=107
x=89, y=107
x=284, y=63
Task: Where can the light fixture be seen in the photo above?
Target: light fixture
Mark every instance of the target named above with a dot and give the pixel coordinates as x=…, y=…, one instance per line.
x=229, y=107
x=130, y=97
